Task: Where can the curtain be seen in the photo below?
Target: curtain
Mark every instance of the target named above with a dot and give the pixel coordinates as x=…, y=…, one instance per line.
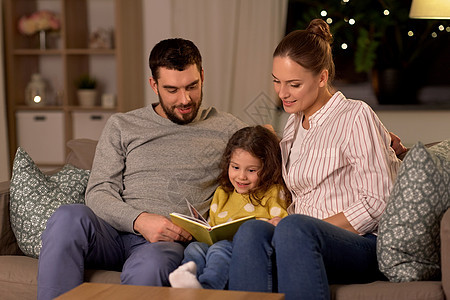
x=236, y=39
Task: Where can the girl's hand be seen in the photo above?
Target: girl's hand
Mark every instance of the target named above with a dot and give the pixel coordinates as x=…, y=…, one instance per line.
x=274, y=221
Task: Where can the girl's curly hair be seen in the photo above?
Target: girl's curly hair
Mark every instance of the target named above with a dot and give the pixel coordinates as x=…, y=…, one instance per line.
x=263, y=144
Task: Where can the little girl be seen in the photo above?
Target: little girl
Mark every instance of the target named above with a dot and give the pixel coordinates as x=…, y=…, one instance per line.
x=251, y=183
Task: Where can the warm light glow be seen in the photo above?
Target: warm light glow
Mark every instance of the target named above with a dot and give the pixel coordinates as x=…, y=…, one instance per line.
x=447, y=29
x=329, y=20
x=323, y=13
x=344, y=46
x=410, y=33
x=430, y=9
x=434, y=35
x=37, y=99
x=386, y=12
x=441, y=27
x=345, y=1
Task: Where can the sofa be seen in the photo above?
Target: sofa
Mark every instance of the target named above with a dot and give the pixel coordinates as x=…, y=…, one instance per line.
x=18, y=272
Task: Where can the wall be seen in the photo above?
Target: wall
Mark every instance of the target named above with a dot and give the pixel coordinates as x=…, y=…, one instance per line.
x=156, y=15
x=411, y=126
x=4, y=156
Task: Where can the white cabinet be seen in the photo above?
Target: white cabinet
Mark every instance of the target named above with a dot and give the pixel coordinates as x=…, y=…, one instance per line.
x=41, y=135
x=89, y=125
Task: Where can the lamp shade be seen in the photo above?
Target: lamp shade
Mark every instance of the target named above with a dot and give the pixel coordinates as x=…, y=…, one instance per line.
x=430, y=9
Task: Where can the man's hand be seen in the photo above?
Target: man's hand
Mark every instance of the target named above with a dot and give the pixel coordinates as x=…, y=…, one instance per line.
x=396, y=144
x=156, y=228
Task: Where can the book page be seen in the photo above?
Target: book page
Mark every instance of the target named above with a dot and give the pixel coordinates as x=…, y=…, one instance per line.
x=195, y=214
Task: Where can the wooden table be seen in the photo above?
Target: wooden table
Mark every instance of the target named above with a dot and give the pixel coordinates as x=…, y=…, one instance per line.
x=97, y=291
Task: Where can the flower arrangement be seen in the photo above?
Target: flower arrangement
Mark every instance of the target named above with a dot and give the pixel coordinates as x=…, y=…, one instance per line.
x=38, y=21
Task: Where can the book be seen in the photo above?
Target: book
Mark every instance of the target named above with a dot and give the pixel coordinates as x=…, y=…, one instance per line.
x=200, y=229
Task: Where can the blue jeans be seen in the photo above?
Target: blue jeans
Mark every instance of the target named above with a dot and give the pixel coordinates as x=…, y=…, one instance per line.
x=213, y=262
x=300, y=258
x=75, y=239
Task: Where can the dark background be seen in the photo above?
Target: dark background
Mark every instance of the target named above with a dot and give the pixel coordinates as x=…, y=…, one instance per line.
x=377, y=43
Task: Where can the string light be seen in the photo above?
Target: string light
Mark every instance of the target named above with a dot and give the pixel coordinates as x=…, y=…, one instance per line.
x=410, y=33
x=386, y=12
x=323, y=13
x=441, y=27
x=329, y=20
x=344, y=46
x=434, y=35
x=351, y=21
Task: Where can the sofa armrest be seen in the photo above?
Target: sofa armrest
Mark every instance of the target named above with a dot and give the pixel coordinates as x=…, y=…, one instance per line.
x=8, y=242
x=445, y=253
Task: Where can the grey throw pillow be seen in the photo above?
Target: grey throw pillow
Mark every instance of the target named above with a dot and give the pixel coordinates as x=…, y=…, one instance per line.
x=35, y=196
x=408, y=245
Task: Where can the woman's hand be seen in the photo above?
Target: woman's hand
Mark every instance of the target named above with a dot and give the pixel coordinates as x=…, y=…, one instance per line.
x=340, y=220
x=396, y=144
x=156, y=228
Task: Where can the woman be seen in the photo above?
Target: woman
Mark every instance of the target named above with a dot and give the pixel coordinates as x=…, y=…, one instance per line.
x=339, y=167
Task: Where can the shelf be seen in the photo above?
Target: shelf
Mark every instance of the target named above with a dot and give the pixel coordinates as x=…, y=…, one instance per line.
x=74, y=108
x=37, y=108
x=90, y=109
x=90, y=51
x=78, y=51
x=37, y=52
x=68, y=56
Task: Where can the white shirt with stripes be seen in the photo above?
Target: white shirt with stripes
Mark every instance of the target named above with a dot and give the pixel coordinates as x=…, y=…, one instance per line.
x=344, y=163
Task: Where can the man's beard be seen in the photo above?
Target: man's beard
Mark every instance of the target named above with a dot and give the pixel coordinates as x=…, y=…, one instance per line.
x=185, y=119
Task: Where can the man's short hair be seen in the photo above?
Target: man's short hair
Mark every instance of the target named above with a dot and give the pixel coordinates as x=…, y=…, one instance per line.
x=174, y=54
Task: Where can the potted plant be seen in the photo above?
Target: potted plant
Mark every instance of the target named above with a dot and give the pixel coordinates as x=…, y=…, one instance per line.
x=87, y=92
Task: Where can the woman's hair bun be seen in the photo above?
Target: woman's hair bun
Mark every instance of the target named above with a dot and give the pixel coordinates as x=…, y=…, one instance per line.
x=320, y=27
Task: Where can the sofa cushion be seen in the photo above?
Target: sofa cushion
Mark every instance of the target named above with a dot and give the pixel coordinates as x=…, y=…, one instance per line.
x=35, y=196
x=18, y=277
x=408, y=243
x=8, y=243
x=81, y=153
x=384, y=290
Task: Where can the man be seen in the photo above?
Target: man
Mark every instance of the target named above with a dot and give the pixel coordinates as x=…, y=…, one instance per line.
x=148, y=162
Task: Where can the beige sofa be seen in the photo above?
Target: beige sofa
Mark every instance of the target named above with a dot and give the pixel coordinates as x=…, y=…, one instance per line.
x=18, y=272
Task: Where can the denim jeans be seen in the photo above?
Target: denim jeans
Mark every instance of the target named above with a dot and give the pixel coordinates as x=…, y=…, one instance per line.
x=75, y=239
x=300, y=257
x=212, y=262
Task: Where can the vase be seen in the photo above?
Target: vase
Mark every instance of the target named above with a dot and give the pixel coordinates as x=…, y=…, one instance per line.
x=35, y=91
x=42, y=40
x=87, y=97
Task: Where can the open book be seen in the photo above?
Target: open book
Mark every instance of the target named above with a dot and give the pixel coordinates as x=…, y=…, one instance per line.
x=199, y=228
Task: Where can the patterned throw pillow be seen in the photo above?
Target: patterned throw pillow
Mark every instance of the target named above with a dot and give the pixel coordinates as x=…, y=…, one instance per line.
x=35, y=196
x=408, y=245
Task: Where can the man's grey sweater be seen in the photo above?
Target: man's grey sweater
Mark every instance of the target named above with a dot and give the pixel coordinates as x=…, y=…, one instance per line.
x=145, y=162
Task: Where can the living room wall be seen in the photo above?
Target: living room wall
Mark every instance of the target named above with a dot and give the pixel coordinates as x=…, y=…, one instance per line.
x=4, y=157
x=158, y=25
